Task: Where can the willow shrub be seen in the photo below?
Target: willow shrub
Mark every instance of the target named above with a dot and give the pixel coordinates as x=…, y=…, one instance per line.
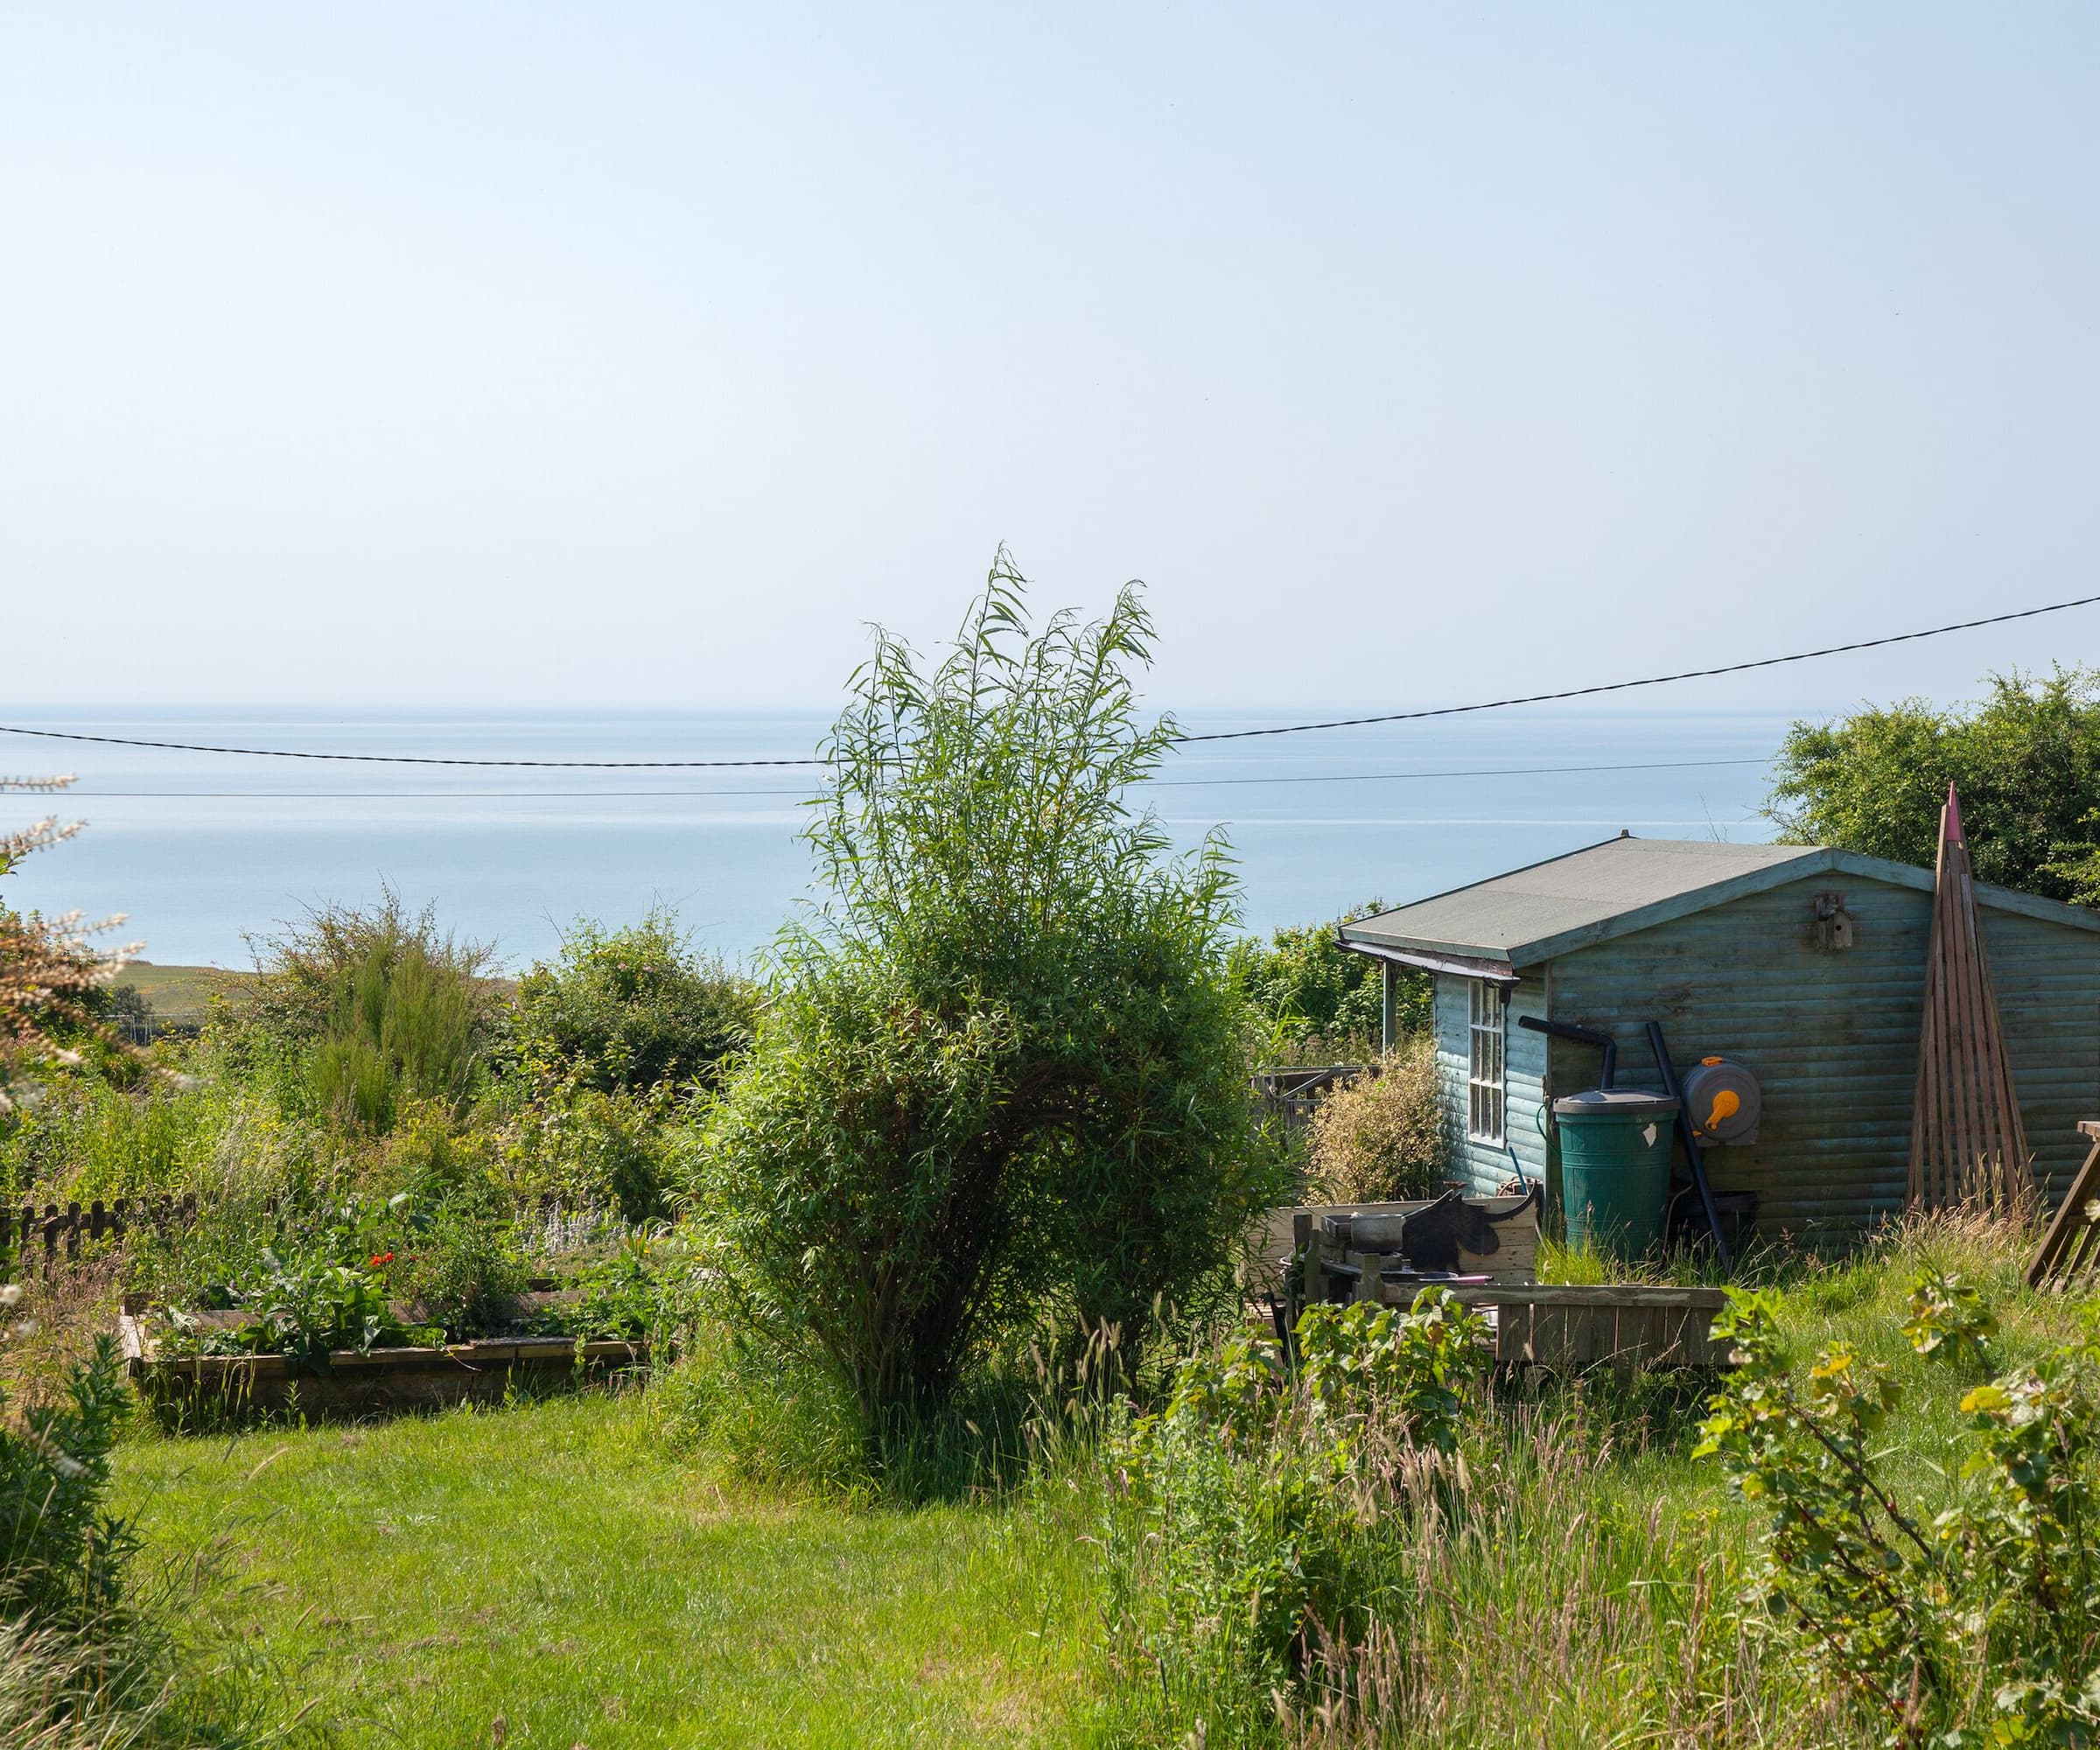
x=1002, y=1075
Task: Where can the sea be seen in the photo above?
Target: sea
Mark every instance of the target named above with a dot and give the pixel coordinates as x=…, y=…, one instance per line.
x=206, y=853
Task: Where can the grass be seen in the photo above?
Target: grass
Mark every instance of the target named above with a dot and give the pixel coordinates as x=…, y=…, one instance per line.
x=180, y=993
x=556, y=1567
x=560, y=1567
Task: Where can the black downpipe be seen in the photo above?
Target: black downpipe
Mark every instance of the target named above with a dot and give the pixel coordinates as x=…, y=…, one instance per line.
x=1668, y=1070
x=1604, y=1042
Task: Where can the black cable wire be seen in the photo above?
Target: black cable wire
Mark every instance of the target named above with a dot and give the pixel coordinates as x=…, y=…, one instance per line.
x=1215, y=735
x=1652, y=681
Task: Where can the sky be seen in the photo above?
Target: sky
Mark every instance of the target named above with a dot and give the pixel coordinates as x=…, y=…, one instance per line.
x=517, y=355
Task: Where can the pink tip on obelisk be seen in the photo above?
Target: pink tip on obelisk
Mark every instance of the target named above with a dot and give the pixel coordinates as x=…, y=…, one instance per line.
x=1952, y=828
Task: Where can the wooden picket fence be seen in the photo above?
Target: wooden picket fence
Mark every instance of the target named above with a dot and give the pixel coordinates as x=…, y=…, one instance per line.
x=57, y=1232
x=59, y=1229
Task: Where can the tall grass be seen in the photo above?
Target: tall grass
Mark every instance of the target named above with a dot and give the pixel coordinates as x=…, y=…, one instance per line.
x=1575, y=1580
x=372, y=1011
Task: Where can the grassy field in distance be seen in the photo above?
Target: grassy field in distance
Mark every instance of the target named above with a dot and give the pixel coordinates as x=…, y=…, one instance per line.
x=179, y=993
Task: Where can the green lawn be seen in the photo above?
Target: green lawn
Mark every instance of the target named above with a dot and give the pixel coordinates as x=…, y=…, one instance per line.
x=555, y=1566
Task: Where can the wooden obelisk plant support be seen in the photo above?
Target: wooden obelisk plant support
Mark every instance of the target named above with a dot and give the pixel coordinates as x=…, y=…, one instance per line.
x=1967, y=1148
x=2071, y=1249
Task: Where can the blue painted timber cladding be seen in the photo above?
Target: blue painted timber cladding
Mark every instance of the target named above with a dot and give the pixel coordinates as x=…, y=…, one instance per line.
x=1485, y=1165
x=1832, y=1036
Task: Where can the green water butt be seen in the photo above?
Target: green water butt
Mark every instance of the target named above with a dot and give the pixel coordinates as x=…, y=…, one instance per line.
x=1615, y=1167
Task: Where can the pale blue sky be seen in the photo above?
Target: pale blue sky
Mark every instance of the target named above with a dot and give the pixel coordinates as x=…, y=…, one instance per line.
x=639, y=354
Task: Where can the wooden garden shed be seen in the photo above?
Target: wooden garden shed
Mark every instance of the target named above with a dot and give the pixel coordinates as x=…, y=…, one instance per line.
x=1804, y=964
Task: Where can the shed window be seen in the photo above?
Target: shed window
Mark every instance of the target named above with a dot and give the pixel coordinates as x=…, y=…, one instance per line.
x=1485, y=1076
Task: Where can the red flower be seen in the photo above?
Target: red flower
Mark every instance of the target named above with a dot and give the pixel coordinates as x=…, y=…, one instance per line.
x=379, y=1258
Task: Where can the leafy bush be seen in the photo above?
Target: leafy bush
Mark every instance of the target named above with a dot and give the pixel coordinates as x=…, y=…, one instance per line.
x=1003, y=1071
x=2026, y=760
x=1321, y=1001
x=1241, y=1534
x=360, y=1012
x=1380, y=1138
x=61, y=1552
x=459, y=1266
x=592, y=1148
x=1977, y=1625
x=627, y=1010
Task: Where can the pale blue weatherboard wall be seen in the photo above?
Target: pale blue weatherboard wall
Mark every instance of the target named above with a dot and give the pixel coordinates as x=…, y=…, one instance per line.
x=1832, y=1036
x=1485, y=1164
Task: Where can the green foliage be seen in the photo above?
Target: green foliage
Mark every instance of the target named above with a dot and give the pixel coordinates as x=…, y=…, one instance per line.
x=361, y=1014
x=2026, y=760
x=1979, y=1625
x=628, y=1010
x=458, y=1263
x=61, y=1552
x=313, y=1289
x=646, y=1287
x=1002, y=1069
x=1321, y=1001
x=592, y=1148
x=1249, y=1509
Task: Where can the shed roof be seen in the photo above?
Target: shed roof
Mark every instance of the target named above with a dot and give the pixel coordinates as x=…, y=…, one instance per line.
x=1626, y=884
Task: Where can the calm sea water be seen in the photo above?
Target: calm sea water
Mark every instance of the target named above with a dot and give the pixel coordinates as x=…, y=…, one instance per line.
x=200, y=849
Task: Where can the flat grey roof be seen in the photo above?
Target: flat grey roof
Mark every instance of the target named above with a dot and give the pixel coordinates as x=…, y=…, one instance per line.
x=1623, y=885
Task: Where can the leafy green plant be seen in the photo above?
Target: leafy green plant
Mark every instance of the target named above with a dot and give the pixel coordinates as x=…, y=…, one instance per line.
x=644, y=1287
x=1323, y=1002
x=592, y=1148
x=1247, y=1509
x=1977, y=1625
x=2026, y=758
x=312, y=1289
x=460, y=1265
x=61, y=1552
x=1003, y=1072
x=628, y=1010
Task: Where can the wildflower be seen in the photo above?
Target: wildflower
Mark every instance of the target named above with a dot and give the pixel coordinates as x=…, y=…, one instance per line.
x=11, y=1294
x=380, y=1259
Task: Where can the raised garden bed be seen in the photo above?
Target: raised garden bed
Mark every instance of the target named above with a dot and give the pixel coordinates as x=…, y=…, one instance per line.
x=350, y=1382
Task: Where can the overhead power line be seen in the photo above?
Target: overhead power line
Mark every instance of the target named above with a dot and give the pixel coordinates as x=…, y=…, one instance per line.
x=1651, y=681
x=1214, y=735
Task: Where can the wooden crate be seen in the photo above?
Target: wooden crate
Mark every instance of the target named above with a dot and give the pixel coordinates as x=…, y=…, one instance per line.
x=356, y=1385
x=1631, y=1326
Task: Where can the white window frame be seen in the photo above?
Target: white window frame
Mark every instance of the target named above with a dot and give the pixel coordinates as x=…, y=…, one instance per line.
x=1487, y=1062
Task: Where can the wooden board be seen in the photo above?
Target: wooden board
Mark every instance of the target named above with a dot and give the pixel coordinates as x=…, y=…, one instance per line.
x=355, y=1384
x=1627, y=1325
x=2070, y=1247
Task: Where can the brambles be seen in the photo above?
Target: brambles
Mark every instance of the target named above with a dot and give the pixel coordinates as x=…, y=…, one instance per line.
x=1976, y=1625
x=630, y=1010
